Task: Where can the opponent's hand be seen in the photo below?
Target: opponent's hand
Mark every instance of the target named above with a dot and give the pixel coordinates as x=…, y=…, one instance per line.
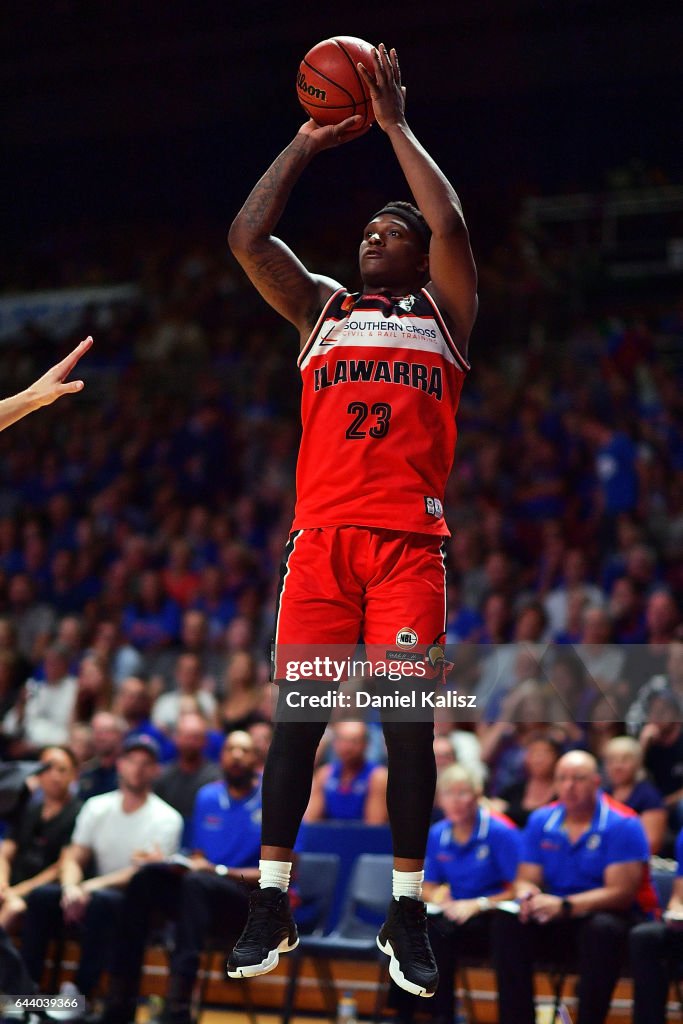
x=387, y=94
x=53, y=384
x=330, y=135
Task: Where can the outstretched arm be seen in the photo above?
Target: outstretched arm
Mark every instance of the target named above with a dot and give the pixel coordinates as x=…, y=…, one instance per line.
x=451, y=264
x=46, y=390
x=280, y=277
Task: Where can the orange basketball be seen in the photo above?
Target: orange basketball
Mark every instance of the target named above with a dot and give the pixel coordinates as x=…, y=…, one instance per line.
x=330, y=86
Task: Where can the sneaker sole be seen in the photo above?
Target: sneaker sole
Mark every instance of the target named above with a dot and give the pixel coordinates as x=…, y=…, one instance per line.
x=267, y=965
x=398, y=976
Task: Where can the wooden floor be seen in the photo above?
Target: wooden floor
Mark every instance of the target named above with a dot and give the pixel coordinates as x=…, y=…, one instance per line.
x=224, y=997
x=235, y=1017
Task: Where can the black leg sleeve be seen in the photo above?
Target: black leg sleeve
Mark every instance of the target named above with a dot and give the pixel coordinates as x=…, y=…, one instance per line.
x=411, y=784
x=287, y=778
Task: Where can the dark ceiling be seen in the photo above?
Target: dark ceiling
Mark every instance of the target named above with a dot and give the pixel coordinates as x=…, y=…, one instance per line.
x=126, y=109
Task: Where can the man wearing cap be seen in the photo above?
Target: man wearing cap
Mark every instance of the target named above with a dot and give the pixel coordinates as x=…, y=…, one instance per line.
x=208, y=892
x=115, y=833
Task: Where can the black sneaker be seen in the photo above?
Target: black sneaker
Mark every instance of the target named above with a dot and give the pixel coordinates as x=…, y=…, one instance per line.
x=269, y=931
x=403, y=937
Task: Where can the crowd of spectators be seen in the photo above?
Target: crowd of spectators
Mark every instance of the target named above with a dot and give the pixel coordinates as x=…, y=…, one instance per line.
x=142, y=524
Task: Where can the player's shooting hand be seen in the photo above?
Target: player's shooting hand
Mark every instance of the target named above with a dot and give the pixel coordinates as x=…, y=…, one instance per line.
x=53, y=384
x=387, y=93
x=330, y=135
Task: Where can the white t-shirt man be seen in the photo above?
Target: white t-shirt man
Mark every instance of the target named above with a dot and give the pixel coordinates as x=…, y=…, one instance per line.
x=49, y=707
x=114, y=836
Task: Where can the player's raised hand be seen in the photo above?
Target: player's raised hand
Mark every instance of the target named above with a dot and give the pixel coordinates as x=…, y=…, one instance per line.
x=384, y=81
x=53, y=384
x=330, y=135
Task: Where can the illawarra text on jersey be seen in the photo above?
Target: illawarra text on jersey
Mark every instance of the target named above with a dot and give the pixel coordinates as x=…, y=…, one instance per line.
x=366, y=371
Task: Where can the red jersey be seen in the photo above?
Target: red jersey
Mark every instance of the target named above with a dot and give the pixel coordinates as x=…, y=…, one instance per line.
x=381, y=385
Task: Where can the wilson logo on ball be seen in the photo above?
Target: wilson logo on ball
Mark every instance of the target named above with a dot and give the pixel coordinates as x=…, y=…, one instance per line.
x=310, y=90
x=329, y=85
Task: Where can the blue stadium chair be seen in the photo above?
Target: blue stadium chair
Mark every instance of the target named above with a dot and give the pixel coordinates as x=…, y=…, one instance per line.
x=349, y=840
x=316, y=878
x=367, y=898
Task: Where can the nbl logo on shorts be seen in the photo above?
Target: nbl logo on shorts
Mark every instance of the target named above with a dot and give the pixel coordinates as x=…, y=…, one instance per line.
x=433, y=507
x=406, y=638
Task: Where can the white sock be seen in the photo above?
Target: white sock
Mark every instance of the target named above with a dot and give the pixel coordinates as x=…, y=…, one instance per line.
x=275, y=873
x=407, y=883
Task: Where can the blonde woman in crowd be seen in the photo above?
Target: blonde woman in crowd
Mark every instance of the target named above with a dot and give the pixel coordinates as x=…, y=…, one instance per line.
x=628, y=783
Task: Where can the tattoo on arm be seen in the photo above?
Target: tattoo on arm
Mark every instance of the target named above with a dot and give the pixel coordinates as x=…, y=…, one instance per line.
x=280, y=277
x=266, y=203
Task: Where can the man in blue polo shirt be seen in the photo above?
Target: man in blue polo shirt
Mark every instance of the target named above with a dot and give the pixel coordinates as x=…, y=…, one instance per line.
x=206, y=893
x=471, y=862
x=582, y=883
x=656, y=953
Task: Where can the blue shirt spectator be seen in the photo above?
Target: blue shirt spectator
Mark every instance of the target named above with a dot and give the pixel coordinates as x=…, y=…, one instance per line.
x=615, y=465
x=153, y=622
x=482, y=865
x=614, y=836
x=350, y=787
x=227, y=829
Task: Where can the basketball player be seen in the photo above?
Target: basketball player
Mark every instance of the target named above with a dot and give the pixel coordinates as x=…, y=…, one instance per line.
x=46, y=390
x=382, y=373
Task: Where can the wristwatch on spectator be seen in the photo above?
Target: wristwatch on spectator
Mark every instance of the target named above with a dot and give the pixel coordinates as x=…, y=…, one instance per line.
x=484, y=903
x=221, y=870
x=566, y=907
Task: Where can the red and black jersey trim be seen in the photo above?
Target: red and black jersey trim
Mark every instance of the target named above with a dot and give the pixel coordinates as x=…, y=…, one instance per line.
x=284, y=570
x=460, y=359
x=341, y=303
x=319, y=322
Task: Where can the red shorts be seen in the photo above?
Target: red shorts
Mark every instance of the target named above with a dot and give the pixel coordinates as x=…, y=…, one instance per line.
x=343, y=583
